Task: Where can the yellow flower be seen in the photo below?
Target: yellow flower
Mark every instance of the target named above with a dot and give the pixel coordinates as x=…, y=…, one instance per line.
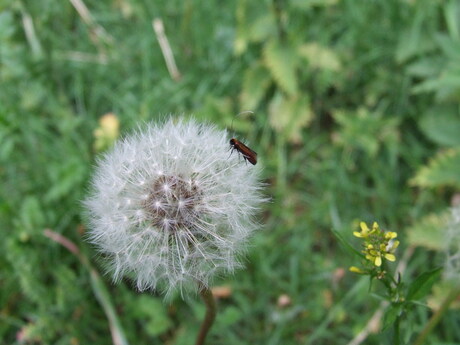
x=390, y=257
x=378, y=244
x=390, y=234
x=356, y=270
x=365, y=232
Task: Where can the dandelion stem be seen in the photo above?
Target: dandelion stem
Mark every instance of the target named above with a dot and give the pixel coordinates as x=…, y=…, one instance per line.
x=437, y=316
x=211, y=310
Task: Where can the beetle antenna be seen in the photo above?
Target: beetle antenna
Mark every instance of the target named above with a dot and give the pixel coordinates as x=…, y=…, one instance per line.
x=240, y=113
x=245, y=112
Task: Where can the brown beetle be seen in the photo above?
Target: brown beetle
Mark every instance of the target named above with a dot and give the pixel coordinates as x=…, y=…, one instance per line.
x=248, y=154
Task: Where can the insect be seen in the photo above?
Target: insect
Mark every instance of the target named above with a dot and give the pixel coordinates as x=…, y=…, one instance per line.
x=235, y=144
x=248, y=154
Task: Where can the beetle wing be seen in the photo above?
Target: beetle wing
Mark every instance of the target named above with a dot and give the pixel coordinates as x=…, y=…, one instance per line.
x=248, y=149
x=248, y=154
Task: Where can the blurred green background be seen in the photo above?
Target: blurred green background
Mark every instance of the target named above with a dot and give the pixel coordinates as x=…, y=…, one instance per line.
x=356, y=117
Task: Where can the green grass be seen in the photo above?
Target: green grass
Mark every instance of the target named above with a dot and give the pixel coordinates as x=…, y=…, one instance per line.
x=339, y=142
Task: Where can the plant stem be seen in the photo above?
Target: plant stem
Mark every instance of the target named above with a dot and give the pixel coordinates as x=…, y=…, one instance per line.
x=211, y=310
x=437, y=316
x=99, y=289
x=396, y=331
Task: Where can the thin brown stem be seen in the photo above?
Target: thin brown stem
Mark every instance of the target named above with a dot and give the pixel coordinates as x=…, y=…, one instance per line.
x=166, y=49
x=98, y=286
x=211, y=310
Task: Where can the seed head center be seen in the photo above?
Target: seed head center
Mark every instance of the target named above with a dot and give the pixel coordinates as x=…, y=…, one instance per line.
x=172, y=203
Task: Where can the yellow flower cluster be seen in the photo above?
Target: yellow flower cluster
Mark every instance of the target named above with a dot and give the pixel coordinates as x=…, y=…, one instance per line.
x=378, y=244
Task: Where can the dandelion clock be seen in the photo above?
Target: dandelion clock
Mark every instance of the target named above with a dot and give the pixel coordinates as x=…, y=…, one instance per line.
x=171, y=208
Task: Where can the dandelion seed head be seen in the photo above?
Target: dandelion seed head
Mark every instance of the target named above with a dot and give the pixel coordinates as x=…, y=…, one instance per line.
x=170, y=207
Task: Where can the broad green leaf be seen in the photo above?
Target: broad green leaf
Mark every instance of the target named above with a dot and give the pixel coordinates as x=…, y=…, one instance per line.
x=426, y=67
x=262, y=28
x=155, y=311
x=409, y=41
x=215, y=108
x=446, y=83
x=67, y=175
x=413, y=39
x=152, y=311
x=346, y=244
x=320, y=57
x=256, y=80
x=449, y=46
x=428, y=231
x=289, y=115
x=281, y=60
x=255, y=23
x=441, y=170
x=391, y=314
x=361, y=129
x=229, y=316
x=31, y=217
x=442, y=125
x=421, y=286
x=446, y=86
